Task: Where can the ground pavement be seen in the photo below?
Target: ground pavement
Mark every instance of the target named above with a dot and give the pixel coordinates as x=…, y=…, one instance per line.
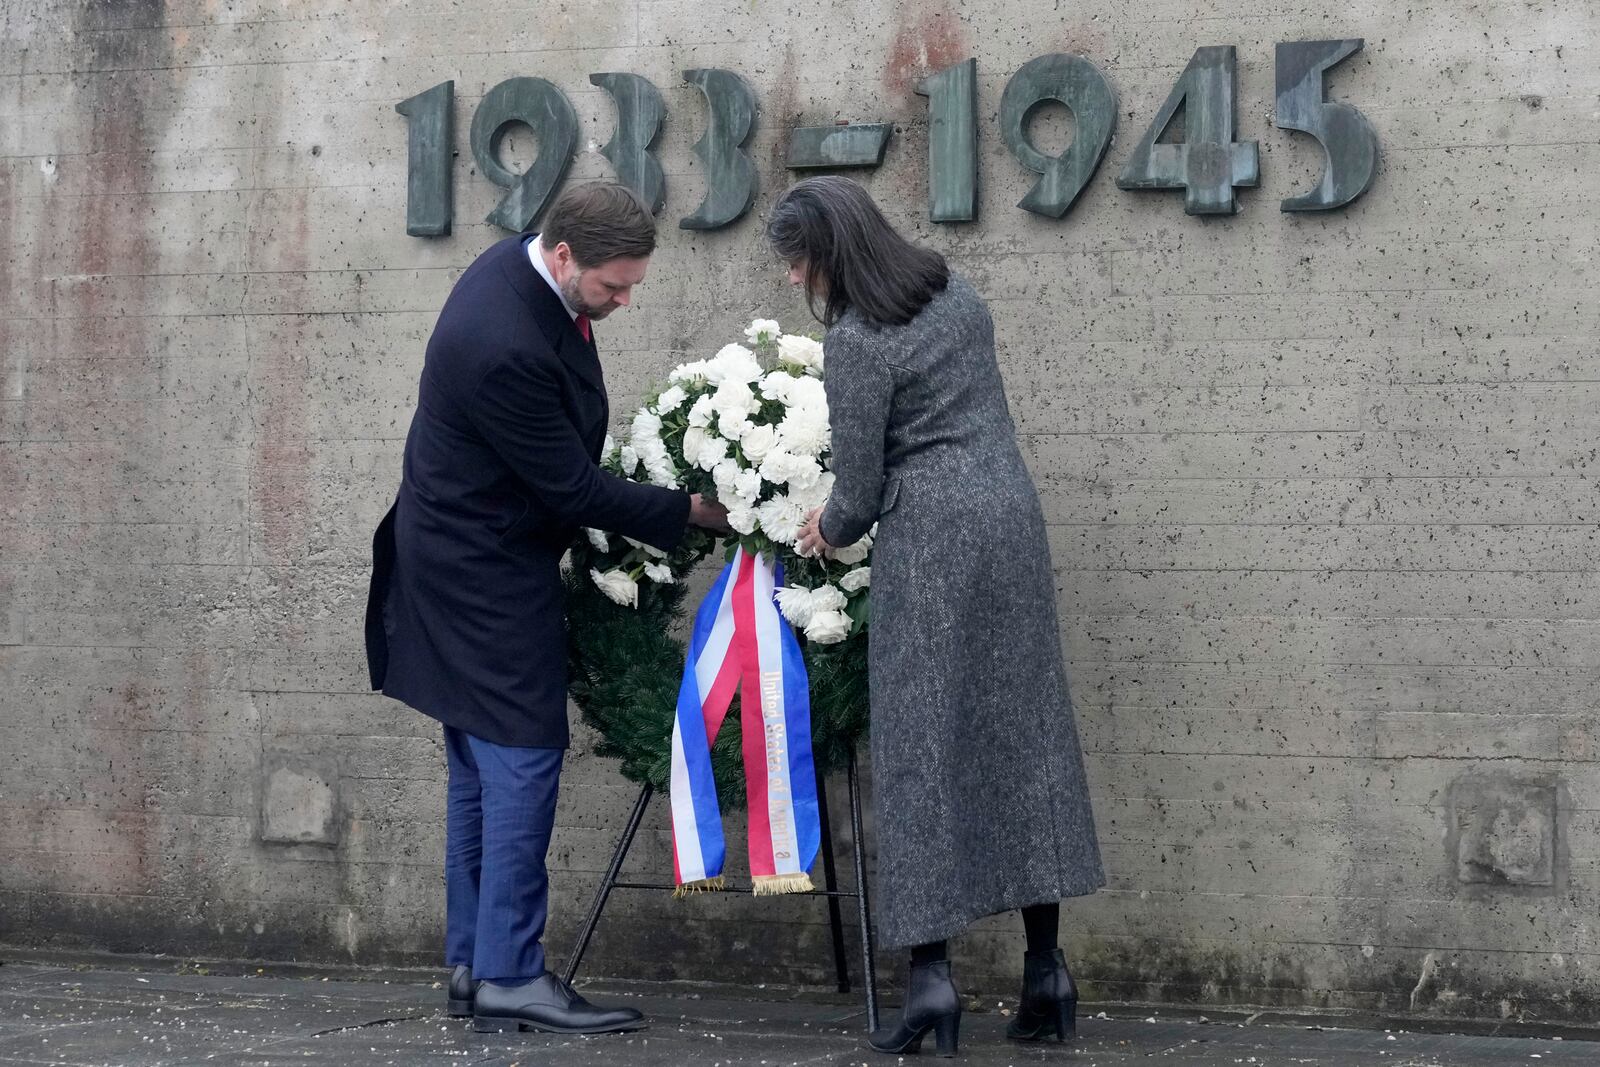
x=57, y=1014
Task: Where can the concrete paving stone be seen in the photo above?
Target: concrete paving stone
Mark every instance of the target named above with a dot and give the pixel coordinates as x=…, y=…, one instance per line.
x=78, y=1018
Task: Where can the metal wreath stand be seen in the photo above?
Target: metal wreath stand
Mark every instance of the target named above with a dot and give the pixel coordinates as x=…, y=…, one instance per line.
x=831, y=892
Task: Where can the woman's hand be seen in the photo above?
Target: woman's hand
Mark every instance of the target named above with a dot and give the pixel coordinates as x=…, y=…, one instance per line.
x=810, y=542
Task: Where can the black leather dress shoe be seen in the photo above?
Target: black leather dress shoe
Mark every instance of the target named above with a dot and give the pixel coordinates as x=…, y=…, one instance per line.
x=462, y=989
x=549, y=1005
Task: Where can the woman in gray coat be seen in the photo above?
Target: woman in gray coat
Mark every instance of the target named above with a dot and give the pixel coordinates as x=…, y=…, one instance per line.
x=981, y=801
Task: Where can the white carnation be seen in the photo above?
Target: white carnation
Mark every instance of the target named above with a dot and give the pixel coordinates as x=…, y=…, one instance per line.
x=714, y=451
x=814, y=496
x=827, y=598
x=630, y=460
x=795, y=603
x=597, y=538
x=649, y=550
x=659, y=572
x=776, y=386
x=734, y=400
x=804, y=431
x=856, y=580
x=782, y=467
x=801, y=352
x=733, y=365
x=726, y=478
x=762, y=330
x=807, y=393
x=609, y=447
x=747, y=487
x=742, y=518
x=671, y=399
x=781, y=519
x=690, y=372
x=828, y=627
x=618, y=585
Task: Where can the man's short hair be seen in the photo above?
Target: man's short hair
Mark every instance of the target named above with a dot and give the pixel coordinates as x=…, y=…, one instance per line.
x=600, y=221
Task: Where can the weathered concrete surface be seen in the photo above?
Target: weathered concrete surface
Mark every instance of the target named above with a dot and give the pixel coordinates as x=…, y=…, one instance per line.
x=83, y=1018
x=1321, y=487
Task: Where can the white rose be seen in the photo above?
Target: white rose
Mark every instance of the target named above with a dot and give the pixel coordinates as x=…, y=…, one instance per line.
x=758, y=441
x=762, y=330
x=851, y=554
x=597, y=538
x=618, y=585
x=659, y=572
x=828, y=627
x=800, y=351
x=795, y=603
x=700, y=411
x=671, y=400
x=733, y=426
x=694, y=439
x=856, y=580
x=742, y=518
x=781, y=519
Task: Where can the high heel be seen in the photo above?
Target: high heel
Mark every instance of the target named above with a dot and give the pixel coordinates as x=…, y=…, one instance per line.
x=932, y=1003
x=1049, y=1005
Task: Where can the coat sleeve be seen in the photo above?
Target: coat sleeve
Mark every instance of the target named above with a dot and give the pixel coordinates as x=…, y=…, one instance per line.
x=860, y=390
x=517, y=407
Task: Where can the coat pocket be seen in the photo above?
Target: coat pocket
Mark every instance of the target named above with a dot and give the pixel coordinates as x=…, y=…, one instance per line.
x=891, y=496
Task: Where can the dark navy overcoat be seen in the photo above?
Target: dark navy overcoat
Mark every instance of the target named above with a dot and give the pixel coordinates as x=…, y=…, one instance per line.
x=465, y=616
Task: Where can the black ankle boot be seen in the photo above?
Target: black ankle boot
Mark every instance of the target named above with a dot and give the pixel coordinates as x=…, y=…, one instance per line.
x=1049, y=999
x=931, y=1004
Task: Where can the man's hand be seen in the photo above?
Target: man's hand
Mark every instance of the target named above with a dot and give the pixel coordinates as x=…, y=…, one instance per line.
x=708, y=514
x=810, y=542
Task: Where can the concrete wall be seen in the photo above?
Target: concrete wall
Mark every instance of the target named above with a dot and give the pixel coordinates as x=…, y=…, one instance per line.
x=1321, y=485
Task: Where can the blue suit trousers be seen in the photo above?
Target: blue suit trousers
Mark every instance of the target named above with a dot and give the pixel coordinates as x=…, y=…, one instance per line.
x=501, y=808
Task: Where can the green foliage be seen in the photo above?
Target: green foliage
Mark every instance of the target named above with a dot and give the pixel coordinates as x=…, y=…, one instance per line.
x=625, y=669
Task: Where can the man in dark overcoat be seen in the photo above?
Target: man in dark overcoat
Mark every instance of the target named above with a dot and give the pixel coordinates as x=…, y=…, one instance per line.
x=465, y=620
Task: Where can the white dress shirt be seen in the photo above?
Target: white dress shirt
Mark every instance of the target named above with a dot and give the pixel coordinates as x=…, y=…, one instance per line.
x=536, y=255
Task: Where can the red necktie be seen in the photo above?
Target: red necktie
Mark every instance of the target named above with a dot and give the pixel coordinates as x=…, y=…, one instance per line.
x=582, y=323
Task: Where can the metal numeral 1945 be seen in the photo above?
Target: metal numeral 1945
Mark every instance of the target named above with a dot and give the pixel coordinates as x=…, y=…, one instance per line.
x=1189, y=145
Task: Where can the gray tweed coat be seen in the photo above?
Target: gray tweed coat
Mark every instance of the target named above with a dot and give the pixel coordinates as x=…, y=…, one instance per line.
x=979, y=788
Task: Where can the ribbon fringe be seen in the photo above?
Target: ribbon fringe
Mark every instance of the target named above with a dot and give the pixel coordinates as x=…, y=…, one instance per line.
x=704, y=885
x=772, y=885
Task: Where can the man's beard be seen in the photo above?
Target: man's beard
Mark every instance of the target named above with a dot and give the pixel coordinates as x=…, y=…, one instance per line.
x=575, y=301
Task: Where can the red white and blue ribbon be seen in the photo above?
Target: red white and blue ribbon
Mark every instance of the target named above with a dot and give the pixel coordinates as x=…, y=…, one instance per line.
x=741, y=643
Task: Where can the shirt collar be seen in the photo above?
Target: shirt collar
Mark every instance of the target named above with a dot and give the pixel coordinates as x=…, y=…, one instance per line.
x=535, y=249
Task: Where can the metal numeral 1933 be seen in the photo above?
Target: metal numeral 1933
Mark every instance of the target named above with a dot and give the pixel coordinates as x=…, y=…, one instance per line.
x=1189, y=144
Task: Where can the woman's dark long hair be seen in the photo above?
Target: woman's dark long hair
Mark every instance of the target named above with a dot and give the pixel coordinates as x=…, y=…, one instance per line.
x=854, y=258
